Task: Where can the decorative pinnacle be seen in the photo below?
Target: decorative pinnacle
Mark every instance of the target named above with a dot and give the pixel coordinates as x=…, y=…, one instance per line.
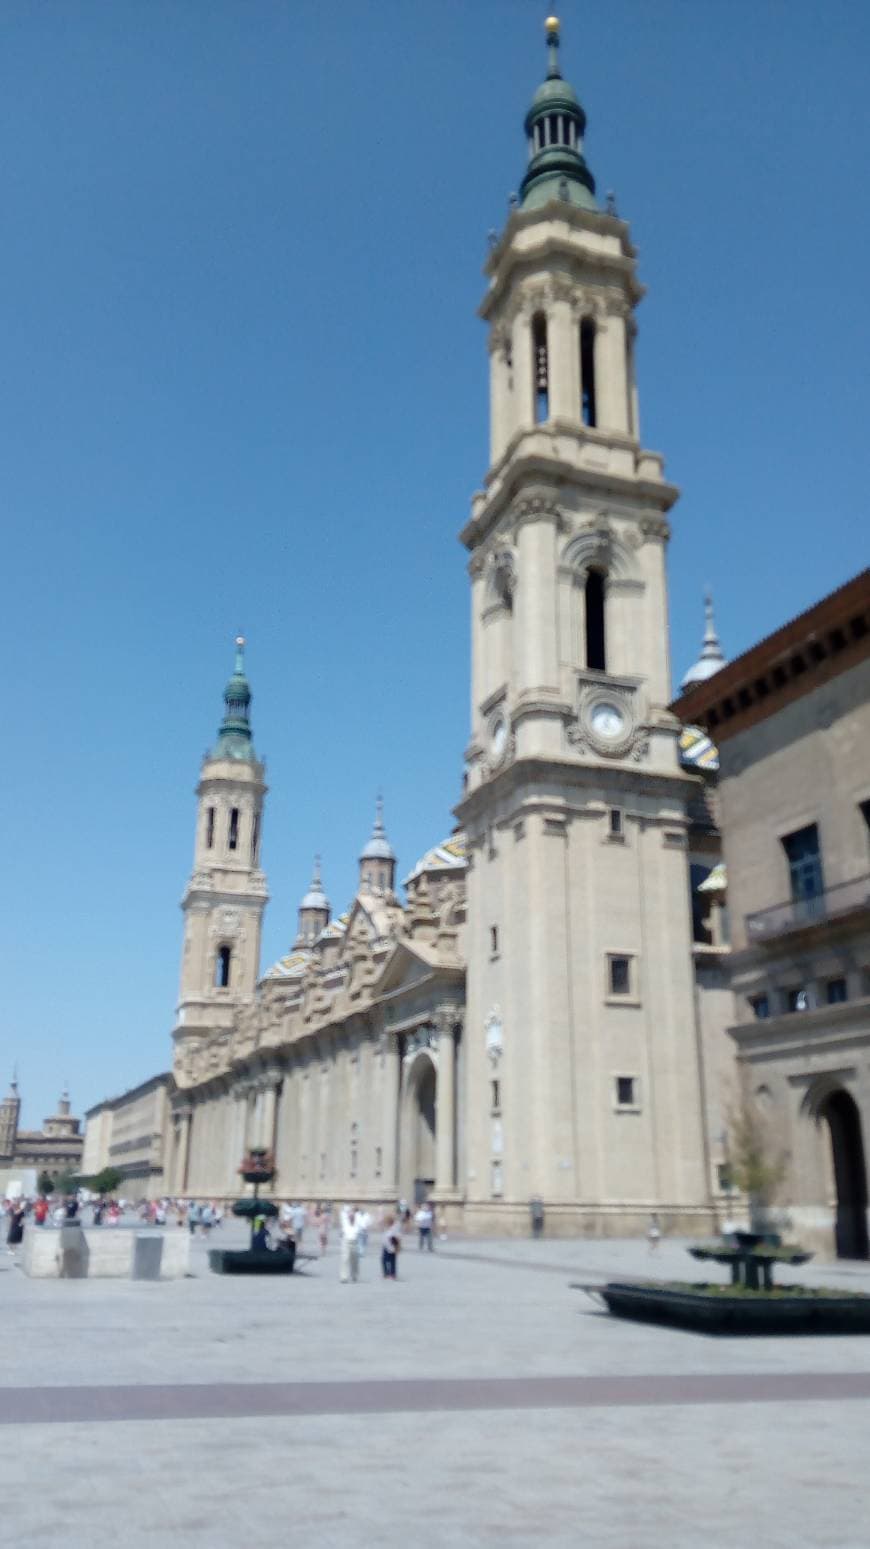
x=551, y=28
x=240, y=653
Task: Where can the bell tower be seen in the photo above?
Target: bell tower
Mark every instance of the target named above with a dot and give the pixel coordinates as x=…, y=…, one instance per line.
x=226, y=895
x=582, y=1068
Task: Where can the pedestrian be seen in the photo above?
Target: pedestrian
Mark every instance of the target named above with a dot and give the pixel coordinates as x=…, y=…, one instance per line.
x=193, y=1217
x=16, y=1225
x=206, y=1219
x=365, y=1222
x=40, y=1210
x=349, y=1267
x=654, y=1232
x=390, y=1241
x=297, y=1221
x=322, y=1229
x=423, y=1222
x=260, y=1237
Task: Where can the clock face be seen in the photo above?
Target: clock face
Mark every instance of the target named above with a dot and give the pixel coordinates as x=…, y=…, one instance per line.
x=499, y=739
x=607, y=720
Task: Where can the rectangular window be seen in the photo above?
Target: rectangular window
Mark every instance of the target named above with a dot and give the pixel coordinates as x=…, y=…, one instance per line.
x=615, y=824
x=760, y=1005
x=618, y=975
x=496, y=1180
x=379, y=1161
x=626, y=1091
x=209, y=828
x=836, y=991
x=493, y=939
x=233, y=839
x=496, y=1096
x=804, y=856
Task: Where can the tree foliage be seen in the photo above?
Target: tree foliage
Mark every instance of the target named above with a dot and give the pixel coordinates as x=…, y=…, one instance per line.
x=755, y=1167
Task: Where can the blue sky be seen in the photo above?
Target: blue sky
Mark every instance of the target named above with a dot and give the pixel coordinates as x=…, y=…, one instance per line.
x=244, y=387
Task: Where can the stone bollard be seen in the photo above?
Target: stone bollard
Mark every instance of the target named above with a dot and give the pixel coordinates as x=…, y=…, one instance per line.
x=72, y=1252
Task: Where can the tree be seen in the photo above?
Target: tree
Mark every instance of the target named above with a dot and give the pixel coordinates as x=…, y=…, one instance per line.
x=45, y=1184
x=754, y=1167
x=105, y=1182
x=66, y=1183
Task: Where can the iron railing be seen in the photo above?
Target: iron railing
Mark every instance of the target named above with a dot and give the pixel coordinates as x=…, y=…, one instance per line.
x=799, y=913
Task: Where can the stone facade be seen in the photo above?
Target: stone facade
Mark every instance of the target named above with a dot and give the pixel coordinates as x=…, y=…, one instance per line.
x=129, y=1133
x=792, y=720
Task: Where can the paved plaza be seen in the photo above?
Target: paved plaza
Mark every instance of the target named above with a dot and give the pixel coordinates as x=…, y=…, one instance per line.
x=479, y=1400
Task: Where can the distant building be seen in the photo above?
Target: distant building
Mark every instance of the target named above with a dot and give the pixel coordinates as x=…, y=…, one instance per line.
x=791, y=719
x=56, y=1148
x=128, y=1133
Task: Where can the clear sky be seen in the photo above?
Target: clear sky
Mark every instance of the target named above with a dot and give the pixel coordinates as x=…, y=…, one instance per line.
x=244, y=387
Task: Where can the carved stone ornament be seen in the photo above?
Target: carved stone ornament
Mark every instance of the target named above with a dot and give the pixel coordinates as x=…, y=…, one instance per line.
x=494, y=1036
x=655, y=527
x=606, y=724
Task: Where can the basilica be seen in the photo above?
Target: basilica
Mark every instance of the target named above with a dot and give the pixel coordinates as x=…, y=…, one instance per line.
x=541, y=1015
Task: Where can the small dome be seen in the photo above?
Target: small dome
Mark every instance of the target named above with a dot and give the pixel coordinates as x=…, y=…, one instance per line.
x=555, y=93
x=315, y=898
x=712, y=658
x=378, y=847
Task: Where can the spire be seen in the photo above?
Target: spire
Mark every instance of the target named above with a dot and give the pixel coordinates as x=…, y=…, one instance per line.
x=378, y=847
x=234, y=734
x=315, y=898
x=712, y=656
x=555, y=125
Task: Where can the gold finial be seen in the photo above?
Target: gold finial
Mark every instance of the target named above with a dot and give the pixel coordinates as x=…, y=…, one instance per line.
x=551, y=25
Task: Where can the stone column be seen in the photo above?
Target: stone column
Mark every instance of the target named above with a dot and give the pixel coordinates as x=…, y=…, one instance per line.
x=186, y=1129
x=563, y=344
x=611, y=376
x=524, y=381
x=389, y=1179
x=445, y=1108
x=267, y=1103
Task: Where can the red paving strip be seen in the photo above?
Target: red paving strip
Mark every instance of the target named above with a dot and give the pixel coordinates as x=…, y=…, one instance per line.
x=243, y=1400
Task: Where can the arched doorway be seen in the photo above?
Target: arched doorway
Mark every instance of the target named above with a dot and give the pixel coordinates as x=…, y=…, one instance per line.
x=840, y=1111
x=418, y=1137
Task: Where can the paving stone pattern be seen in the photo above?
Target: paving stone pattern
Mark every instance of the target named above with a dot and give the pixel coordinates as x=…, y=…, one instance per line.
x=480, y=1400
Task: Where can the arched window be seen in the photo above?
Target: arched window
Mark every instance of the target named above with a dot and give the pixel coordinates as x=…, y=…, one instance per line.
x=587, y=372
x=209, y=828
x=233, y=838
x=222, y=968
x=541, y=368
x=595, y=641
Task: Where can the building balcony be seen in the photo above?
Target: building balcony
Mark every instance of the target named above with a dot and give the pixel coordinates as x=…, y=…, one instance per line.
x=804, y=913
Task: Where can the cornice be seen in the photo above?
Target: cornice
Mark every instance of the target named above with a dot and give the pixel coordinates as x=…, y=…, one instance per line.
x=508, y=780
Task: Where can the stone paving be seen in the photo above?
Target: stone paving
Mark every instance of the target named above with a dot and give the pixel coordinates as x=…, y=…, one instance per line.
x=480, y=1400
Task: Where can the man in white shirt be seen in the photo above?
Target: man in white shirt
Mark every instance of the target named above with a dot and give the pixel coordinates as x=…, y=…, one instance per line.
x=423, y=1222
x=365, y=1222
x=349, y=1269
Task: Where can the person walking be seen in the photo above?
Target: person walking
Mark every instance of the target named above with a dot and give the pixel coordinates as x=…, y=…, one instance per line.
x=15, y=1233
x=423, y=1222
x=365, y=1222
x=298, y=1222
x=390, y=1239
x=349, y=1267
x=193, y=1217
x=322, y=1222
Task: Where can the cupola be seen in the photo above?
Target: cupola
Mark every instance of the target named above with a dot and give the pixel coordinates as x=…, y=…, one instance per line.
x=555, y=125
x=377, y=864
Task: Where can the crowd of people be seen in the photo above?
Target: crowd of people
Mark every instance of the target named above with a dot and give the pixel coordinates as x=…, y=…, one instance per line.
x=304, y=1226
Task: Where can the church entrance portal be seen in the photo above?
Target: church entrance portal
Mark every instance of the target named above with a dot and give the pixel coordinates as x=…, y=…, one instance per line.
x=850, y=1174
x=418, y=1161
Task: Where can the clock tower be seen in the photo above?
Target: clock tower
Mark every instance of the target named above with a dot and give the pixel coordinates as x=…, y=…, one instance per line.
x=582, y=1066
